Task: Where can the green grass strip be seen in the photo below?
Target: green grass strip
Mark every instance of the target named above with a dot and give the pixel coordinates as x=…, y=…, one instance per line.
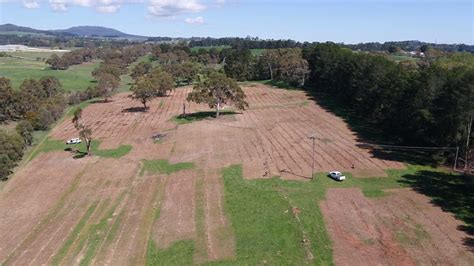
x=96, y=233
x=164, y=167
x=180, y=253
x=73, y=236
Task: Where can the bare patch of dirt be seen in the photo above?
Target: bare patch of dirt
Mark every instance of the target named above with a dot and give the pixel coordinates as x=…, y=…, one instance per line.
x=177, y=212
x=400, y=229
x=31, y=194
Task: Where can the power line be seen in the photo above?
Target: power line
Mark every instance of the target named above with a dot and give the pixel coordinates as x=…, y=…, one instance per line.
x=406, y=147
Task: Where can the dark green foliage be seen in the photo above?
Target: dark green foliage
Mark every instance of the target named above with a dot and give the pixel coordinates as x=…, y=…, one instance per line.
x=7, y=99
x=157, y=83
x=425, y=106
x=184, y=73
x=283, y=65
x=239, y=64
x=141, y=69
x=51, y=86
x=40, y=102
x=143, y=90
x=216, y=90
x=11, y=151
x=25, y=130
x=74, y=57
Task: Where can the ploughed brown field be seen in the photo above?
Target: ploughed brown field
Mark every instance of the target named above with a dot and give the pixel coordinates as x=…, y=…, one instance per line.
x=60, y=210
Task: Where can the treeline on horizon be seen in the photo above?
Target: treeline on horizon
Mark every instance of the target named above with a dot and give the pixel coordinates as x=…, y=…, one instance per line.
x=256, y=43
x=65, y=41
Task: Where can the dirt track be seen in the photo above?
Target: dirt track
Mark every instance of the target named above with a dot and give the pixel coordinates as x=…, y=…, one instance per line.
x=102, y=211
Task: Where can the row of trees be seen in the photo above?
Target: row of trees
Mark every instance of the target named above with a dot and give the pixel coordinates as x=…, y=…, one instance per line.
x=184, y=64
x=35, y=106
x=287, y=65
x=410, y=46
x=429, y=105
x=156, y=83
x=127, y=54
x=68, y=59
x=247, y=43
x=40, y=102
x=11, y=151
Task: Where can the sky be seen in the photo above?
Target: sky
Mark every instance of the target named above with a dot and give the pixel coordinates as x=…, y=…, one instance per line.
x=348, y=21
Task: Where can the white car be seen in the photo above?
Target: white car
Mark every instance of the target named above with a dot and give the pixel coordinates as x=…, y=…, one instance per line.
x=74, y=141
x=337, y=175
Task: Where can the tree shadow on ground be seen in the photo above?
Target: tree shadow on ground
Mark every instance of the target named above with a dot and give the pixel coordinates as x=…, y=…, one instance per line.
x=198, y=116
x=426, y=158
x=135, y=110
x=367, y=132
x=452, y=192
x=100, y=101
x=77, y=154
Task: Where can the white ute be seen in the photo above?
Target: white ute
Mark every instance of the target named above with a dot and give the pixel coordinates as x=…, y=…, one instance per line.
x=337, y=175
x=74, y=141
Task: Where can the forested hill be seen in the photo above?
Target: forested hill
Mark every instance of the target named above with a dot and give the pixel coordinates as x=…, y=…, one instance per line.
x=95, y=31
x=79, y=31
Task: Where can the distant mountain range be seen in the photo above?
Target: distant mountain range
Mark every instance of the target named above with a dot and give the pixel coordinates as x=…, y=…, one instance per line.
x=79, y=31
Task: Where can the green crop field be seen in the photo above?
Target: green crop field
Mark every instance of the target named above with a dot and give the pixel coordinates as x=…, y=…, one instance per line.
x=34, y=55
x=76, y=78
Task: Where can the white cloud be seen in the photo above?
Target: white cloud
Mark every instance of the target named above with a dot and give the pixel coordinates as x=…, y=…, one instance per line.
x=58, y=5
x=31, y=4
x=196, y=21
x=102, y=6
x=170, y=8
x=156, y=8
x=108, y=9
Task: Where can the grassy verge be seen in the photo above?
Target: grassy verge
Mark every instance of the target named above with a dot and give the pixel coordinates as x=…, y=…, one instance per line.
x=164, y=167
x=50, y=145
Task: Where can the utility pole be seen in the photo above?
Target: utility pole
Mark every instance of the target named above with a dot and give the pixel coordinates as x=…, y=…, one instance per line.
x=468, y=137
x=313, y=138
x=456, y=159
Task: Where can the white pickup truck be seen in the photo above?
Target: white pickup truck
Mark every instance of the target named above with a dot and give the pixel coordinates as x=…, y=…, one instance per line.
x=337, y=175
x=74, y=141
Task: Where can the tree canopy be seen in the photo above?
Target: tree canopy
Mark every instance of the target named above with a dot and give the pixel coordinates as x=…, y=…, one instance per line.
x=217, y=90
